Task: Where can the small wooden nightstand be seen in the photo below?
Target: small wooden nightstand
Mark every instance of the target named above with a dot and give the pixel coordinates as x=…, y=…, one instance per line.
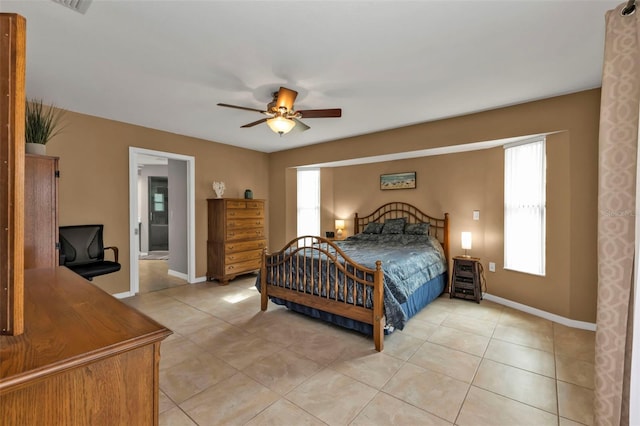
x=466, y=278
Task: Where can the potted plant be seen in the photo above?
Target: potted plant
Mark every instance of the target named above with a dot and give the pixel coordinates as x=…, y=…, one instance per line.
x=41, y=124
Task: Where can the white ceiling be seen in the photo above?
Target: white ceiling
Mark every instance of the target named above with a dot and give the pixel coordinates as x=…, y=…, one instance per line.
x=387, y=64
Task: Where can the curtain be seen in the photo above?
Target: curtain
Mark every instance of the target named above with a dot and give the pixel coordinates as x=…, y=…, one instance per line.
x=618, y=143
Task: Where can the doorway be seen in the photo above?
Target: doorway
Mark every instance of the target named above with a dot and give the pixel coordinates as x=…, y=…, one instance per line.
x=162, y=222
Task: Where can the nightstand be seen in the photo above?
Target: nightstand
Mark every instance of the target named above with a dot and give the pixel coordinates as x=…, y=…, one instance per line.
x=466, y=278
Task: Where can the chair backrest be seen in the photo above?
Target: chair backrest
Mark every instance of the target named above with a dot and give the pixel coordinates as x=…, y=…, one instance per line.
x=82, y=244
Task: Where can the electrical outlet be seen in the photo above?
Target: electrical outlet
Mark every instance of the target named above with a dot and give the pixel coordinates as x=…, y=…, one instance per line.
x=476, y=215
x=492, y=266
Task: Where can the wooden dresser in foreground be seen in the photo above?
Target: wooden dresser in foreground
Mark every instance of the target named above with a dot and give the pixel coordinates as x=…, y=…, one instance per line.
x=236, y=237
x=85, y=358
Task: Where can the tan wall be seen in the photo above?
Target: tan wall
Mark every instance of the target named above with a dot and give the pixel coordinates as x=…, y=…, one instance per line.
x=94, y=187
x=94, y=182
x=463, y=182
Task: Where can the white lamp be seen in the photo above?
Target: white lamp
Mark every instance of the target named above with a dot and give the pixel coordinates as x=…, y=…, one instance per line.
x=281, y=125
x=466, y=242
x=339, y=226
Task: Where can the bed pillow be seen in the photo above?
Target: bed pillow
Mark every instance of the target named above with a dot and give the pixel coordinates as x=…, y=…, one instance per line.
x=416, y=228
x=373, y=228
x=394, y=226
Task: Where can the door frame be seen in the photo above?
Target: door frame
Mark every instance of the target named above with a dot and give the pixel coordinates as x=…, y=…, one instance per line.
x=134, y=249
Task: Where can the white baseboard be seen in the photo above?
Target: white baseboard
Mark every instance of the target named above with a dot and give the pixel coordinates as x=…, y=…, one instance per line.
x=540, y=313
x=186, y=277
x=177, y=274
x=123, y=295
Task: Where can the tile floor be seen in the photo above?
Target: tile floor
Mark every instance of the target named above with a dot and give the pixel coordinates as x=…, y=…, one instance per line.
x=152, y=276
x=456, y=362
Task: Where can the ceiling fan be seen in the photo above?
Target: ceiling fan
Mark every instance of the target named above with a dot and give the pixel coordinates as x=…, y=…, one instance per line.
x=281, y=117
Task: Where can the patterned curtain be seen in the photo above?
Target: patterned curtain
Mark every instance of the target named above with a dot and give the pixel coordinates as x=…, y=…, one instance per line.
x=616, y=219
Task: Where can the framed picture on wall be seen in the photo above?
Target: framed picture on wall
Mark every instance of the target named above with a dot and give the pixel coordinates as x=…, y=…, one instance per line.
x=406, y=180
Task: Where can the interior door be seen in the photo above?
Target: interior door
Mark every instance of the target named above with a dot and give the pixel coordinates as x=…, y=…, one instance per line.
x=158, y=214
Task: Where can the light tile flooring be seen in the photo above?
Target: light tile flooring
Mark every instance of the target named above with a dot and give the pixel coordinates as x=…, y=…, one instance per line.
x=456, y=362
x=152, y=276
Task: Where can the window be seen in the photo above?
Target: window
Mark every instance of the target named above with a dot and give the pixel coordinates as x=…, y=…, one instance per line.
x=525, y=206
x=308, y=202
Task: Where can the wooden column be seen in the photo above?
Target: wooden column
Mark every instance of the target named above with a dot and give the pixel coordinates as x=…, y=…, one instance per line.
x=12, y=104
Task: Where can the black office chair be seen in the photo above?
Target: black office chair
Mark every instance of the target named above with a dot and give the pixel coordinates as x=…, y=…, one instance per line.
x=82, y=251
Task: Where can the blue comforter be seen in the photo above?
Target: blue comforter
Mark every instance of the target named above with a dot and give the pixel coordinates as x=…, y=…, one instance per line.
x=408, y=261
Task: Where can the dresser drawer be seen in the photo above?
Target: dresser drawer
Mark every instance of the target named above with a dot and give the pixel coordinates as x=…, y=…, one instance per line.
x=243, y=256
x=236, y=204
x=245, y=223
x=240, y=267
x=245, y=204
x=244, y=213
x=464, y=268
x=245, y=234
x=245, y=246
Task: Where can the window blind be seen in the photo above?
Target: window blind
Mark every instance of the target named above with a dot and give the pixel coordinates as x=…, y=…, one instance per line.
x=308, y=202
x=525, y=207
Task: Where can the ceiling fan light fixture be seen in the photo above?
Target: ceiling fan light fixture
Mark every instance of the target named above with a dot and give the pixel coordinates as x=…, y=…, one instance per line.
x=281, y=125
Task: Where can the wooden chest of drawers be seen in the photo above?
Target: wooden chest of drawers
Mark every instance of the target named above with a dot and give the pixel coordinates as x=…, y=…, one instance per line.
x=236, y=237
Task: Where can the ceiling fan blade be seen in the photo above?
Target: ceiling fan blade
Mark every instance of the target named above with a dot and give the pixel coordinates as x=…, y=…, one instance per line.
x=255, y=123
x=241, y=107
x=320, y=113
x=300, y=125
x=286, y=98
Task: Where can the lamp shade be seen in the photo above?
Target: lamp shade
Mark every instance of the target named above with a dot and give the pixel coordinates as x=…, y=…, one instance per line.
x=281, y=125
x=340, y=224
x=466, y=240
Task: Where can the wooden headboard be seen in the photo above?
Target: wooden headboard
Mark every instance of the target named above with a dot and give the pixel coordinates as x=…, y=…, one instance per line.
x=438, y=227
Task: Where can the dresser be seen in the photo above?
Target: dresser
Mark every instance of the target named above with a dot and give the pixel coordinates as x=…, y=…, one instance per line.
x=85, y=358
x=40, y=211
x=466, y=280
x=236, y=237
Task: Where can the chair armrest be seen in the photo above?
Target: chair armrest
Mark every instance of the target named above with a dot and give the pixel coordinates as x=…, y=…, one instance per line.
x=115, y=252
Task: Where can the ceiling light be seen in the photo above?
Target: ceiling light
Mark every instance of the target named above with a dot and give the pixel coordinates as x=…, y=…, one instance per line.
x=77, y=5
x=281, y=125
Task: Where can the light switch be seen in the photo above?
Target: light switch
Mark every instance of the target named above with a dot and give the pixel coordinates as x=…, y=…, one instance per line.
x=476, y=215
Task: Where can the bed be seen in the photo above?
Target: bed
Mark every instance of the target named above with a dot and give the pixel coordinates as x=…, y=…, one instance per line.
x=373, y=282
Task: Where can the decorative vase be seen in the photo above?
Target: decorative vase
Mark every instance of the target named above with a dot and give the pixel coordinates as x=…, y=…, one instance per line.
x=218, y=188
x=248, y=194
x=36, y=148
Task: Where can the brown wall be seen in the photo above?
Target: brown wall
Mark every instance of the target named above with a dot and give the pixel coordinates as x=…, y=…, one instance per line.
x=94, y=182
x=463, y=182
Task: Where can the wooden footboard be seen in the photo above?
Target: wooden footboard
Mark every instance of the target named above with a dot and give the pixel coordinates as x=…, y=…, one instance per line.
x=314, y=272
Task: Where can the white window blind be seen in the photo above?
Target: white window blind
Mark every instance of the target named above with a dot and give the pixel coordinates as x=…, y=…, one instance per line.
x=308, y=202
x=525, y=207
